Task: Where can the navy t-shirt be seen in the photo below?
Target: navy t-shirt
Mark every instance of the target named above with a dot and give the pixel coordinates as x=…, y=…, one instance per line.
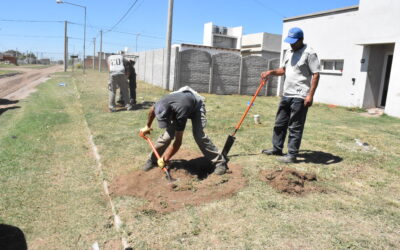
x=177, y=106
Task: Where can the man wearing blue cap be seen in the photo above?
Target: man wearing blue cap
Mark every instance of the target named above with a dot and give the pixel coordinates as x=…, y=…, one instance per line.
x=172, y=112
x=301, y=68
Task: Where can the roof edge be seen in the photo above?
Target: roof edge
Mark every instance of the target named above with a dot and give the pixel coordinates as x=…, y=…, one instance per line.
x=323, y=13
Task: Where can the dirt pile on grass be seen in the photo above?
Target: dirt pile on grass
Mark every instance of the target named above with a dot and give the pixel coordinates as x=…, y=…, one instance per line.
x=195, y=184
x=288, y=180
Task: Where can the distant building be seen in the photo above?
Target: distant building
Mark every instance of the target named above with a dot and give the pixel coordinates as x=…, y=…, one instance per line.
x=262, y=44
x=222, y=37
x=44, y=61
x=359, y=50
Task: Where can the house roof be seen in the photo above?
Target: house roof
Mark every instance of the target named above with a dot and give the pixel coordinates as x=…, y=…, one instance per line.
x=322, y=13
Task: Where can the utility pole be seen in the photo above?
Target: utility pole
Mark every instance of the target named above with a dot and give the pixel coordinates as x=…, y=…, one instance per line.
x=94, y=50
x=84, y=42
x=101, y=50
x=168, y=44
x=65, y=46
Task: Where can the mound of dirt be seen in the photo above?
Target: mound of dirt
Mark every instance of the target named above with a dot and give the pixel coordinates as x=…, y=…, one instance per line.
x=195, y=184
x=288, y=180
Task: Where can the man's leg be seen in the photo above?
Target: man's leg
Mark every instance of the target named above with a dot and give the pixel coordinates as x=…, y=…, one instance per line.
x=132, y=89
x=281, y=125
x=123, y=85
x=112, y=86
x=207, y=147
x=297, y=120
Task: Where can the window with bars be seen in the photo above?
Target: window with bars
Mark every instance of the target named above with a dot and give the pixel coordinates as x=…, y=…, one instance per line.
x=332, y=66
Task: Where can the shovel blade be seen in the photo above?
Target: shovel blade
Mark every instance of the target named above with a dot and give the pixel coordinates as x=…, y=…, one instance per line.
x=228, y=145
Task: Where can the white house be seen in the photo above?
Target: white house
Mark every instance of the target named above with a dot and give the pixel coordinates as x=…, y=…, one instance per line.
x=359, y=50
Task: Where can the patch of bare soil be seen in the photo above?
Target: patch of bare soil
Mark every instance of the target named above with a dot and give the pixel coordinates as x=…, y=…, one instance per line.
x=290, y=181
x=195, y=184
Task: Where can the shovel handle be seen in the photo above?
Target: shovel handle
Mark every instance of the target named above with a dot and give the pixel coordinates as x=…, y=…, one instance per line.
x=262, y=83
x=156, y=153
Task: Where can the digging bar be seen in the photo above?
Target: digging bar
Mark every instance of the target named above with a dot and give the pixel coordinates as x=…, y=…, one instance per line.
x=231, y=138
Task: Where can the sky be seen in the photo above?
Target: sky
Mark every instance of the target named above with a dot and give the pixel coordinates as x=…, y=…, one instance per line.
x=38, y=25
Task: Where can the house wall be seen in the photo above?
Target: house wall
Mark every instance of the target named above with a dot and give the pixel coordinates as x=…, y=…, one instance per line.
x=375, y=71
x=380, y=25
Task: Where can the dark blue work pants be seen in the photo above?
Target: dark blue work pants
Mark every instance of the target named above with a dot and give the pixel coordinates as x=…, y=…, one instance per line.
x=291, y=114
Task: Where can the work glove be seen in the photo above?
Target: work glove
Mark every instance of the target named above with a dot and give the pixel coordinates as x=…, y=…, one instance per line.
x=144, y=131
x=161, y=163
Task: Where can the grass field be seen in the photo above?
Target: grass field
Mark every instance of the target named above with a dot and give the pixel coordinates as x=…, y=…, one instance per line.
x=52, y=190
x=3, y=72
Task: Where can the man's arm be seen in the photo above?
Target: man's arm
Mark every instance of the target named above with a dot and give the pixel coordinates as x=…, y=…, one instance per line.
x=274, y=72
x=174, y=147
x=150, y=117
x=308, y=101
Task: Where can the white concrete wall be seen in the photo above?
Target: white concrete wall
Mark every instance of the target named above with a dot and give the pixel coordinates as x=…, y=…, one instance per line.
x=236, y=32
x=207, y=34
x=271, y=42
x=253, y=39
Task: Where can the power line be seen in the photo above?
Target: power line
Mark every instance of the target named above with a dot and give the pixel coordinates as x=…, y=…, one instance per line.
x=270, y=9
x=30, y=36
x=127, y=12
x=29, y=21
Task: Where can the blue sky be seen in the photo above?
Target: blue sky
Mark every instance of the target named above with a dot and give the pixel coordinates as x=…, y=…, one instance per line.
x=44, y=34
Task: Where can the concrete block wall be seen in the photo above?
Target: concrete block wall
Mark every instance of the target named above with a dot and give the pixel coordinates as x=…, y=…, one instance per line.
x=194, y=70
x=252, y=66
x=223, y=73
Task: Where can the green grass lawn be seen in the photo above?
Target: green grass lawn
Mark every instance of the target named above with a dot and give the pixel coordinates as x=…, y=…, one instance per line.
x=3, y=72
x=51, y=188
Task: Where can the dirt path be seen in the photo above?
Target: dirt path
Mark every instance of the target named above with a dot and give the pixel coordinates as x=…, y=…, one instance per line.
x=20, y=86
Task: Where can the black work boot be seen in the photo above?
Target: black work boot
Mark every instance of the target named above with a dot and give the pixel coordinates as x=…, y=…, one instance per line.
x=220, y=169
x=287, y=159
x=149, y=165
x=271, y=152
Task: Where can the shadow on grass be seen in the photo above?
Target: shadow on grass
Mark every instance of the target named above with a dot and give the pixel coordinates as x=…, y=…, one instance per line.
x=143, y=105
x=317, y=157
x=2, y=110
x=6, y=101
x=12, y=237
x=201, y=167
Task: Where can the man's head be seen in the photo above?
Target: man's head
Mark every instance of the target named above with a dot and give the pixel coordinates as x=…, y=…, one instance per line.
x=132, y=62
x=295, y=38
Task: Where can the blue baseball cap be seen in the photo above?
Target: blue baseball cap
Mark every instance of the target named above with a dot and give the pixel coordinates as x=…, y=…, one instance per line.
x=294, y=35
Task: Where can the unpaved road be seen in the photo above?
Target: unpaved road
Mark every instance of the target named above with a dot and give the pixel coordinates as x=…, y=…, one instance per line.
x=20, y=86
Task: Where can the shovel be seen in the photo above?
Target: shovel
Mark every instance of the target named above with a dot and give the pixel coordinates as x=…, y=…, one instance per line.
x=231, y=138
x=169, y=178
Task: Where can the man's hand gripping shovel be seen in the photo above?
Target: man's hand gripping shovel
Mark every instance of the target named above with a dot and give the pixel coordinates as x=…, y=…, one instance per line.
x=168, y=176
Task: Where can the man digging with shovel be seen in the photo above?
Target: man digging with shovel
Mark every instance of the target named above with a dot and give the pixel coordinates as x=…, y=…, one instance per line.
x=172, y=112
